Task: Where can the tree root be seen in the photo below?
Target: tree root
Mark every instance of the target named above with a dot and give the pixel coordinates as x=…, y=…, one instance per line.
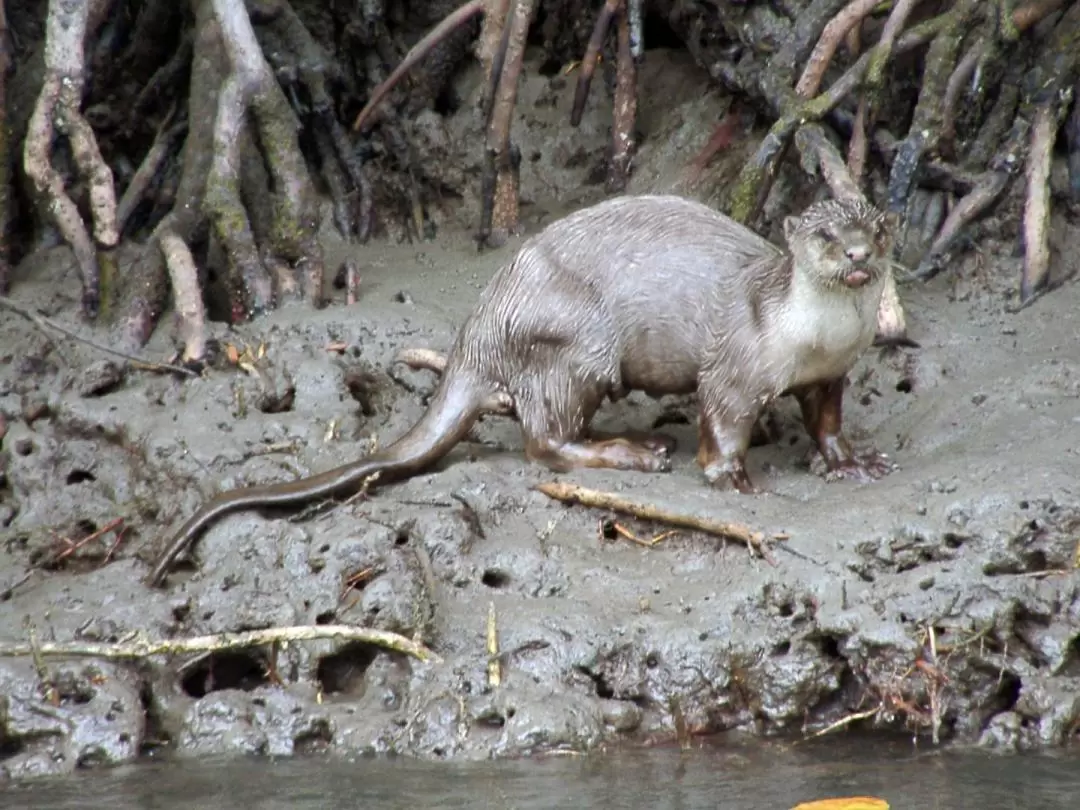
x=926, y=121
x=502, y=161
x=169, y=134
x=60, y=101
x=5, y=155
x=449, y=24
x=251, y=83
x=142, y=646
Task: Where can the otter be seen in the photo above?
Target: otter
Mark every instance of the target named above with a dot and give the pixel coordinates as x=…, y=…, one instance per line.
x=656, y=293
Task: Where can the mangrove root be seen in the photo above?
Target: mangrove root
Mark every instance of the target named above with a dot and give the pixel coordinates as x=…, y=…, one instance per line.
x=60, y=102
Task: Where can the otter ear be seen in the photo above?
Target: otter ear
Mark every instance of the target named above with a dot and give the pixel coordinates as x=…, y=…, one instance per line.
x=790, y=224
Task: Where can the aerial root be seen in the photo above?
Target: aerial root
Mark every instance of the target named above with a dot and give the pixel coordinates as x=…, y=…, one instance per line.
x=836, y=30
x=926, y=122
x=250, y=84
x=168, y=138
x=500, y=180
x=1037, y=202
x=5, y=154
x=447, y=26
x=592, y=57
x=187, y=294
x=60, y=102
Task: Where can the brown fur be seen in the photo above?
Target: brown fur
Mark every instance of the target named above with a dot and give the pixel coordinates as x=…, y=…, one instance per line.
x=654, y=293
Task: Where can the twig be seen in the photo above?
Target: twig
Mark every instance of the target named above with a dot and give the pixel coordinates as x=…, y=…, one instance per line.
x=139, y=645
x=47, y=323
x=596, y=499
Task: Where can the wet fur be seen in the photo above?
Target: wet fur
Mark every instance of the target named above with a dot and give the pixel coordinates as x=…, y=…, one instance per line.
x=654, y=293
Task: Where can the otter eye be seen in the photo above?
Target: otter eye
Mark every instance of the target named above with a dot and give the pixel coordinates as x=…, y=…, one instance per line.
x=826, y=234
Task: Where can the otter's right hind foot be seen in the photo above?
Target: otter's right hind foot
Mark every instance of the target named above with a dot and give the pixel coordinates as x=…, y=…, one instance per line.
x=612, y=454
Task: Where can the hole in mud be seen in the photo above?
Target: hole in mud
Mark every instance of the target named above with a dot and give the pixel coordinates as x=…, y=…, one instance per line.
x=343, y=672
x=224, y=671
x=781, y=649
x=787, y=608
x=326, y=617
x=491, y=719
x=79, y=477
x=402, y=537
x=904, y=386
x=1008, y=692
x=656, y=33
x=603, y=690
x=652, y=661
x=180, y=613
x=10, y=748
x=494, y=578
x=827, y=645
x=1025, y=504
x=315, y=741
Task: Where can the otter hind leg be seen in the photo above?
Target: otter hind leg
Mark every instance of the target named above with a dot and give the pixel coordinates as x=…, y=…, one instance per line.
x=555, y=408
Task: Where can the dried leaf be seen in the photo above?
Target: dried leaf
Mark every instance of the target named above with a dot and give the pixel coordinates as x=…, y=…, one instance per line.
x=849, y=803
x=232, y=353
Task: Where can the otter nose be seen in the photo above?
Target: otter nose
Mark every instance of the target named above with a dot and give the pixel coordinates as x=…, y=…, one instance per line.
x=858, y=253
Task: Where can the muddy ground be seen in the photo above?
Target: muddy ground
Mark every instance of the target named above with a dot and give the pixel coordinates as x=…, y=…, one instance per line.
x=604, y=641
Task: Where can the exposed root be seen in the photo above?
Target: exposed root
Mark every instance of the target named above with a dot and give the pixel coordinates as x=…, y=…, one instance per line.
x=875, y=73
x=500, y=179
x=431, y=360
x=169, y=134
x=834, y=33
x=5, y=155
x=250, y=83
x=625, y=114
x=1037, y=202
x=592, y=57
x=926, y=121
x=415, y=55
x=187, y=295
x=60, y=101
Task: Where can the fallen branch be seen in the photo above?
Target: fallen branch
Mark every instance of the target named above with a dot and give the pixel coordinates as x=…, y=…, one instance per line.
x=139, y=645
x=596, y=499
x=46, y=324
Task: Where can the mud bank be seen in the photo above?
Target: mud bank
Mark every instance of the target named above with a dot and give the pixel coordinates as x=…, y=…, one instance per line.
x=944, y=596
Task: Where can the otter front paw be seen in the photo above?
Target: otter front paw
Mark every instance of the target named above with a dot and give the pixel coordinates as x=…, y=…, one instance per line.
x=861, y=467
x=719, y=472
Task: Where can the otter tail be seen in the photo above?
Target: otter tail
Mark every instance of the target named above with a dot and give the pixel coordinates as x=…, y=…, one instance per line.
x=458, y=402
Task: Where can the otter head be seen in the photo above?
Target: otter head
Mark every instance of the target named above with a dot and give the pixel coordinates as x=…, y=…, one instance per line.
x=841, y=243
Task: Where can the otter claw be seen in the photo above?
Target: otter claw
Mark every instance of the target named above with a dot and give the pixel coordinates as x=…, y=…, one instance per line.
x=863, y=468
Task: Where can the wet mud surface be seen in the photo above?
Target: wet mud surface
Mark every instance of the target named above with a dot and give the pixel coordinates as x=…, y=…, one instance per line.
x=945, y=595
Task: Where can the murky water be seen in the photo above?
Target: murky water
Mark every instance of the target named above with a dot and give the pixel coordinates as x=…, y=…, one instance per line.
x=705, y=778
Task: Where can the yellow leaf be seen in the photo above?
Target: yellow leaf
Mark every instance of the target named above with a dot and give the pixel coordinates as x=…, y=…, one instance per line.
x=849, y=803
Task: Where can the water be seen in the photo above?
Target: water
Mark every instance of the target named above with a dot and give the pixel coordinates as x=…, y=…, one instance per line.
x=706, y=778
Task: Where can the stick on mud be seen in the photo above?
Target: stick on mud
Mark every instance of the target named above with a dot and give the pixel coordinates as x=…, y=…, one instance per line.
x=143, y=646
x=597, y=499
